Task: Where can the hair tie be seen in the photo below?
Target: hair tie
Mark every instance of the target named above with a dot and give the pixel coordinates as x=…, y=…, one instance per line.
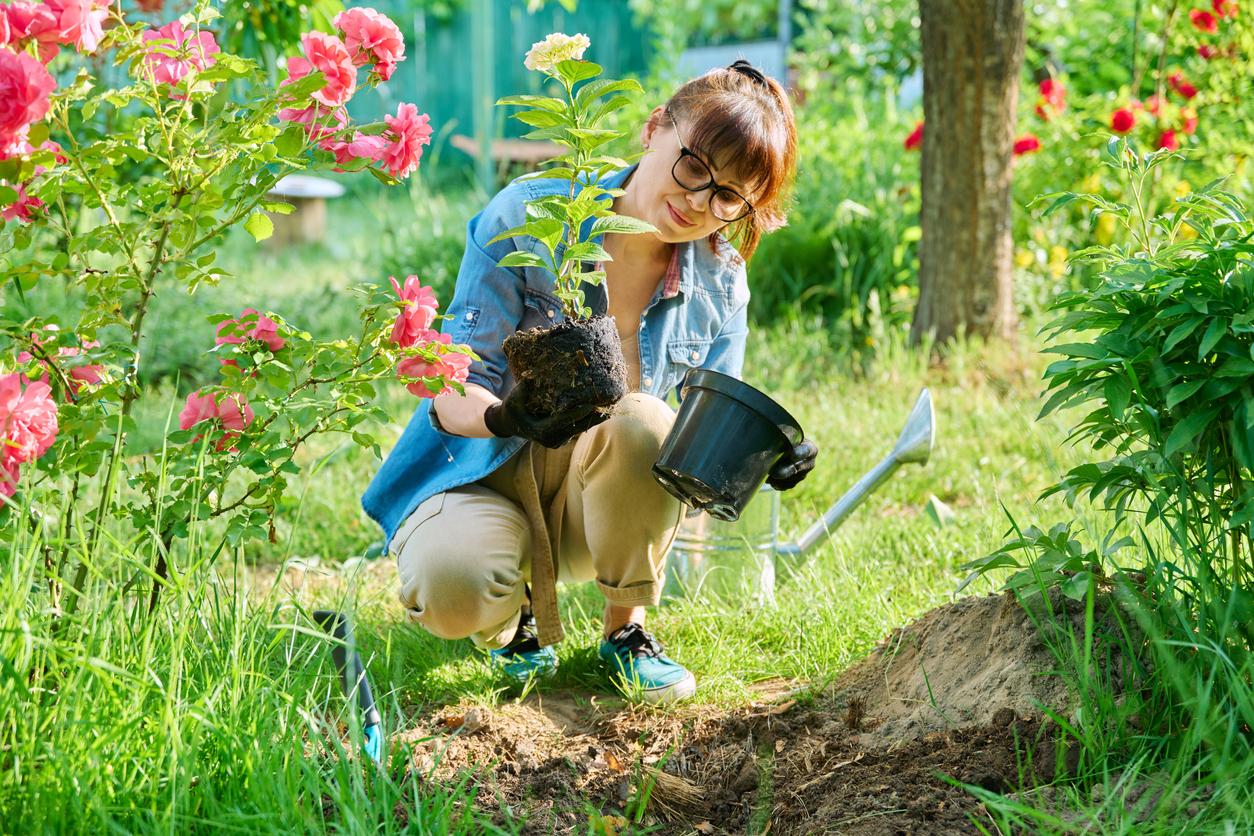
x=748, y=71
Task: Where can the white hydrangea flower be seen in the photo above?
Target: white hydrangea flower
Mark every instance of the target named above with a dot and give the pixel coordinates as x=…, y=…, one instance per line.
x=545, y=55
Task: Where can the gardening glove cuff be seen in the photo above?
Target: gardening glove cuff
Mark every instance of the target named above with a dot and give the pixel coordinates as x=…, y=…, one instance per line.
x=509, y=418
x=793, y=466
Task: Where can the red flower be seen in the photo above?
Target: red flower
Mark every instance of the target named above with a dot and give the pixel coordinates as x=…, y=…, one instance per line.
x=1177, y=82
x=1204, y=21
x=1026, y=144
x=1153, y=104
x=915, y=140
x=1224, y=8
x=1168, y=140
x=1189, y=126
x=1207, y=51
x=1122, y=120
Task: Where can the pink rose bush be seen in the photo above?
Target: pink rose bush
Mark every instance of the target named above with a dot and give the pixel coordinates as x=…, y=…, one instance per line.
x=435, y=368
x=148, y=223
x=177, y=52
x=28, y=426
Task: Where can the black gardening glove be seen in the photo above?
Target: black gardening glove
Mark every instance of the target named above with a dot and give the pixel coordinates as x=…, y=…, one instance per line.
x=793, y=466
x=509, y=418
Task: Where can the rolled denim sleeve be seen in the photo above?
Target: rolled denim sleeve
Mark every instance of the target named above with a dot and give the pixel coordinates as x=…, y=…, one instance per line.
x=488, y=299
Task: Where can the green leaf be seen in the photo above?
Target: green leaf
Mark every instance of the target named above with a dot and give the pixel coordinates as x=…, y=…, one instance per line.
x=938, y=512
x=522, y=258
x=543, y=102
x=540, y=118
x=1118, y=392
x=1077, y=585
x=622, y=224
x=602, y=87
x=1188, y=429
x=1180, y=332
x=1214, y=332
x=1182, y=392
x=278, y=208
x=574, y=71
x=259, y=225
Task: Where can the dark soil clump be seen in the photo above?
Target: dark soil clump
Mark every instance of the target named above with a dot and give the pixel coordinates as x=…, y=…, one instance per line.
x=575, y=362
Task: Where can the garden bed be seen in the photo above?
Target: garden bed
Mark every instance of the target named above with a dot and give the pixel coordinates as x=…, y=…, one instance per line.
x=867, y=754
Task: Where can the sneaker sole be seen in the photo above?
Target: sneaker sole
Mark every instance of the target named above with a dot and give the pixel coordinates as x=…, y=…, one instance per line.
x=681, y=690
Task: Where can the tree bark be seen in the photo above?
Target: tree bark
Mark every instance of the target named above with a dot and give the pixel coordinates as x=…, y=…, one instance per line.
x=972, y=59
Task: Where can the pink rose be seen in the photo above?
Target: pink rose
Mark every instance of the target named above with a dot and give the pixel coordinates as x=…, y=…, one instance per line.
x=407, y=132
x=450, y=366
x=1168, y=140
x=321, y=122
x=1122, y=120
x=33, y=22
x=22, y=209
x=1207, y=51
x=361, y=147
x=24, y=89
x=1026, y=144
x=198, y=407
x=231, y=409
x=371, y=37
x=77, y=375
x=915, y=140
x=1153, y=104
x=9, y=473
x=28, y=418
x=325, y=54
x=250, y=325
x=176, y=52
x=1224, y=8
x=80, y=22
x=1189, y=120
x=418, y=307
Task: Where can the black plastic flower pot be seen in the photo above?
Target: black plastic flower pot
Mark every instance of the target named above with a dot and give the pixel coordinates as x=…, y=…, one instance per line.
x=724, y=441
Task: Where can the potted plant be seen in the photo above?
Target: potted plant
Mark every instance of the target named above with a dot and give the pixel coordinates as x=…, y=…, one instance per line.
x=579, y=358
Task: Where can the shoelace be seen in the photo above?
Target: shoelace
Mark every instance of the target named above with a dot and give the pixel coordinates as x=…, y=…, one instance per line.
x=636, y=641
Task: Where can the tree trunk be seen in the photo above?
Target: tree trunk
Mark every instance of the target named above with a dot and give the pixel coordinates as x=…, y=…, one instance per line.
x=972, y=57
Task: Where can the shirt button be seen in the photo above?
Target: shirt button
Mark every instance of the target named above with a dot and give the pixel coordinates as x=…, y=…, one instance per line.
x=469, y=316
x=695, y=355
x=552, y=314
x=648, y=381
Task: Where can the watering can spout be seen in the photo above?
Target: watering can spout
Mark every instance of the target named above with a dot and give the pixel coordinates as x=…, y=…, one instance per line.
x=914, y=446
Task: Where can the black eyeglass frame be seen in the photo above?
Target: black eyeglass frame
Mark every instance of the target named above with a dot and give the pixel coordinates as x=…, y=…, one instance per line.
x=685, y=151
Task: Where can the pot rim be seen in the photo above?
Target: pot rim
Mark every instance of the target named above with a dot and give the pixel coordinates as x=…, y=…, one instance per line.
x=747, y=396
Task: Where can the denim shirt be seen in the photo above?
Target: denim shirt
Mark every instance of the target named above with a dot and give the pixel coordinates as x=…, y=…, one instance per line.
x=703, y=326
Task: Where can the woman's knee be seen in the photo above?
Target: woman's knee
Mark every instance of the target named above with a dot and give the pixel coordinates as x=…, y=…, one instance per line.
x=640, y=422
x=457, y=593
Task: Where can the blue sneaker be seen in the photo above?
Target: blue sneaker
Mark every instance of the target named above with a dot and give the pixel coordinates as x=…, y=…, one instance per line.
x=638, y=658
x=523, y=659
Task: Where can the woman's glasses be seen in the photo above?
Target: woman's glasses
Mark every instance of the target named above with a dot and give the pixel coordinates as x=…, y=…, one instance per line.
x=691, y=173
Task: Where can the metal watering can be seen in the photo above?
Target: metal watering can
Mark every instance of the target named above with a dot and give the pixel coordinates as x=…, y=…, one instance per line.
x=739, y=557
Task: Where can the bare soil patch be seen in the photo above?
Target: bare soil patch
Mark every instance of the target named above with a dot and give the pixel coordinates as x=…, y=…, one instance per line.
x=957, y=695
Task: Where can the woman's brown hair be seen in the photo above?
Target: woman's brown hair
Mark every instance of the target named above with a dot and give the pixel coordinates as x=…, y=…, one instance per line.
x=740, y=120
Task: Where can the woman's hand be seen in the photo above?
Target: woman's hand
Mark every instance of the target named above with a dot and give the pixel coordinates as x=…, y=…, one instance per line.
x=509, y=418
x=793, y=466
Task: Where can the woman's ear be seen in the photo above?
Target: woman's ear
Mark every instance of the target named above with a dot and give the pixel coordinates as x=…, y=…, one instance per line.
x=651, y=125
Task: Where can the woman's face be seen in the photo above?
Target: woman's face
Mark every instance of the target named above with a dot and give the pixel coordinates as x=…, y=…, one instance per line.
x=678, y=214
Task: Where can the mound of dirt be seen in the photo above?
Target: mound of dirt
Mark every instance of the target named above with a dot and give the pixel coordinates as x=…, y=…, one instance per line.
x=957, y=693
x=957, y=666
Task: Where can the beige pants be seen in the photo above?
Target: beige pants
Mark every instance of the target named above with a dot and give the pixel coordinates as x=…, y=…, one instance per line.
x=464, y=555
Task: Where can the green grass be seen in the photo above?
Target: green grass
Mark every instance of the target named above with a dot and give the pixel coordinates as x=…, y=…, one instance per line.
x=221, y=712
